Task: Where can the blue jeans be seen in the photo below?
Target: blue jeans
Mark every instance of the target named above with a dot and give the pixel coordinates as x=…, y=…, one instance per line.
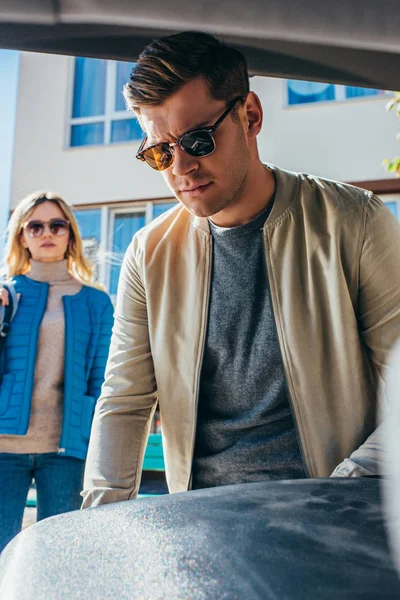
x=59, y=481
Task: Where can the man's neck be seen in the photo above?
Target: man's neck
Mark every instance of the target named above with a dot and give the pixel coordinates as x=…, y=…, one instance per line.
x=254, y=198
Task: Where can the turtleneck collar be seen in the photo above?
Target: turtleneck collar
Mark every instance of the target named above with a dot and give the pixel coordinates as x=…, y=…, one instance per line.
x=51, y=272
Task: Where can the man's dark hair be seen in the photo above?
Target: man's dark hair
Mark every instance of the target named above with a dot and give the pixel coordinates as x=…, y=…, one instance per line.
x=168, y=63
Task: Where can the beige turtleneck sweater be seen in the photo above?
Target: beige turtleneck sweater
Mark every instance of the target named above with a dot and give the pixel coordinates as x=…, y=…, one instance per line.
x=47, y=399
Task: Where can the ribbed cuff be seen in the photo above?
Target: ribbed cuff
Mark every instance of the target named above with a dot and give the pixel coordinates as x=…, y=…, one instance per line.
x=349, y=468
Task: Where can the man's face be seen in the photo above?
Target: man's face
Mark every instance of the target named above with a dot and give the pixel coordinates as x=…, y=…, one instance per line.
x=205, y=186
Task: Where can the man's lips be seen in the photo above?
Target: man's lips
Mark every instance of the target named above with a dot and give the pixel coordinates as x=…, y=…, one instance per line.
x=196, y=189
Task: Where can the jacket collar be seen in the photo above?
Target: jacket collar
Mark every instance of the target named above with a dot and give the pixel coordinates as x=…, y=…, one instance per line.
x=287, y=185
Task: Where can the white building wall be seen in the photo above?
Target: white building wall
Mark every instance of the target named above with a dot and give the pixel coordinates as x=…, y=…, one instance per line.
x=344, y=140
x=341, y=140
x=42, y=159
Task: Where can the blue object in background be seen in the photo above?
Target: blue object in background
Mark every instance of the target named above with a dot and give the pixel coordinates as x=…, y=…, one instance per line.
x=9, y=74
x=89, y=87
x=159, y=209
x=123, y=74
x=392, y=206
x=301, y=92
x=125, y=226
x=89, y=222
x=357, y=92
x=306, y=92
x=125, y=130
x=92, y=78
x=87, y=134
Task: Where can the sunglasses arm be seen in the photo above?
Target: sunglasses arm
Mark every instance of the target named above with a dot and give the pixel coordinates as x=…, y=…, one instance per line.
x=139, y=152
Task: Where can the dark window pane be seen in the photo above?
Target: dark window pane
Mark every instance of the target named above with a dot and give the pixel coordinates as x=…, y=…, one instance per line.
x=125, y=130
x=125, y=226
x=302, y=92
x=123, y=73
x=89, y=87
x=357, y=92
x=159, y=209
x=85, y=135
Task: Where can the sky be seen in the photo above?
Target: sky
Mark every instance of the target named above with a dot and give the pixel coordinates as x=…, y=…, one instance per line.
x=9, y=66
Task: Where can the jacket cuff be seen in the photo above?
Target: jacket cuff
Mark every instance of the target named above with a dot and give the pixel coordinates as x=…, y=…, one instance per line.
x=349, y=468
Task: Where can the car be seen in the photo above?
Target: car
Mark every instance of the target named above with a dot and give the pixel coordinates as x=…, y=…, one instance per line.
x=303, y=539
x=352, y=43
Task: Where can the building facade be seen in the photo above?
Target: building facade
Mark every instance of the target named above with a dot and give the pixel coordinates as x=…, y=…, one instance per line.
x=74, y=136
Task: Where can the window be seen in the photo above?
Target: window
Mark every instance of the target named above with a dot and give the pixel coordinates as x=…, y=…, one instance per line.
x=89, y=222
x=125, y=225
x=394, y=208
x=107, y=233
x=159, y=209
x=305, y=92
x=98, y=113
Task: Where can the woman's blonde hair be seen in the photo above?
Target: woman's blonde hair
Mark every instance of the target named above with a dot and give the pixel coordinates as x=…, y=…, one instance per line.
x=17, y=258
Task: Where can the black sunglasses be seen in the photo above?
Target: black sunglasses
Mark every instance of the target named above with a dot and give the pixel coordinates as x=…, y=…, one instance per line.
x=198, y=142
x=36, y=229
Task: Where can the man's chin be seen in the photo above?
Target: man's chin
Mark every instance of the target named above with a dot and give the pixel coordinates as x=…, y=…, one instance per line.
x=199, y=208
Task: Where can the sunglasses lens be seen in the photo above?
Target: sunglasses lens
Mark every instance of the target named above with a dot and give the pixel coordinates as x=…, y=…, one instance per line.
x=59, y=227
x=34, y=229
x=159, y=157
x=198, y=143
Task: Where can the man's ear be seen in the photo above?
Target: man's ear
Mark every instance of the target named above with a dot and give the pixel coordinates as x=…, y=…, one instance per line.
x=254, y=114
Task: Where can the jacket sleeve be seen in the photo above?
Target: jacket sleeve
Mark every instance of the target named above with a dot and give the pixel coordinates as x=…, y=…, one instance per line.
x=128, y=398
x=378, y=318
x=96, y=375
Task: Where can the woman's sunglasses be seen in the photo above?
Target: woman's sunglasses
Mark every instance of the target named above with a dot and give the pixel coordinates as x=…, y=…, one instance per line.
x=198, y=142
x=35, y=229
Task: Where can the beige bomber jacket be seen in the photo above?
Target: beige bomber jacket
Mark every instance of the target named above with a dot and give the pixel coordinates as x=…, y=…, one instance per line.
x=333, y=258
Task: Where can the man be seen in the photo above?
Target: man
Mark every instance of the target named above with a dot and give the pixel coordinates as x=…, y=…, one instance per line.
x=258, y=312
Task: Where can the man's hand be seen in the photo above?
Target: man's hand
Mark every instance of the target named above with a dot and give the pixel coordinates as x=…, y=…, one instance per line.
x=4, y=301
x=4, y=297
x=349, y=468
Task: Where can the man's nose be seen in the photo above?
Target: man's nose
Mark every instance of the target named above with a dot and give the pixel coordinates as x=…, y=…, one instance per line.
x=183, y=162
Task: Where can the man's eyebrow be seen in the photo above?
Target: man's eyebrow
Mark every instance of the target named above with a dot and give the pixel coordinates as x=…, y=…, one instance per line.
x=201, y=125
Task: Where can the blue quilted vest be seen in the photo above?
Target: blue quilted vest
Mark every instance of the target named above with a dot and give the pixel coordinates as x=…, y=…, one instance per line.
x=88, y=323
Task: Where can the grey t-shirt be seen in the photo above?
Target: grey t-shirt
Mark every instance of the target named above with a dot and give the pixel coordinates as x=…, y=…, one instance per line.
x=245, y=429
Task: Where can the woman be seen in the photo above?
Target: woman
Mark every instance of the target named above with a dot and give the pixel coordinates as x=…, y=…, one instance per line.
x=53, y=362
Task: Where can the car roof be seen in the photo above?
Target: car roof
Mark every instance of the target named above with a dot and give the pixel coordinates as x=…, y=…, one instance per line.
x=353, y=43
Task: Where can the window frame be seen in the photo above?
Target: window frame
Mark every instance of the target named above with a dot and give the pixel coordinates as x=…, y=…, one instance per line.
x=110, y=114
x=113, y=212
x=107, y=220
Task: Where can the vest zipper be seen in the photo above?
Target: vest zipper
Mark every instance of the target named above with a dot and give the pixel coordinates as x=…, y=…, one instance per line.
x=33, y=348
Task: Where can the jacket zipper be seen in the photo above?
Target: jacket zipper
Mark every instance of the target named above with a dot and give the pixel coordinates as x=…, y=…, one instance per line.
x=296, y=427
x=201, y=354
x=63, y=436
x=33, y=347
